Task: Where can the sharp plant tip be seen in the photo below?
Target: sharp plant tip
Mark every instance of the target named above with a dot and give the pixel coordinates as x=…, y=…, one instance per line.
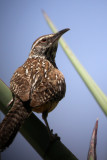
x=44, y=13
x=97, y=119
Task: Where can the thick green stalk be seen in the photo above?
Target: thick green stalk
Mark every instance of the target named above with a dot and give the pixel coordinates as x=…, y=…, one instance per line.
x=36, y=133
x=100, y=97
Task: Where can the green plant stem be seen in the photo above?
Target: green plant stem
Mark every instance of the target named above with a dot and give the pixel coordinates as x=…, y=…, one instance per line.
x=36, y=133
x=100, y=97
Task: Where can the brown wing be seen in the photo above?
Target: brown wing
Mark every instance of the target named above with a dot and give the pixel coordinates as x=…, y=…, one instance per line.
x=48, y=88
x=20, y=83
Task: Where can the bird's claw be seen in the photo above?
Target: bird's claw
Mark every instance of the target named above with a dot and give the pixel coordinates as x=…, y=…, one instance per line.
x=54, y=137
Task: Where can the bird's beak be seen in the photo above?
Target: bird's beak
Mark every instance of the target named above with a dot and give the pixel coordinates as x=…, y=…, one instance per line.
x=57, y=35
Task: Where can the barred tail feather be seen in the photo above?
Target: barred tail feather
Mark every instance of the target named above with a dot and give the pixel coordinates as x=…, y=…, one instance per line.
x=12, y=122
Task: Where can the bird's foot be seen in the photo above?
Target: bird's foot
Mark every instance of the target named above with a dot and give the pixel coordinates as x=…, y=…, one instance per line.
x=53, y=137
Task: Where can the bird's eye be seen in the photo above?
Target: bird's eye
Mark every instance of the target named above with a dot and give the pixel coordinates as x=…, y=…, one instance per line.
x=44, y=40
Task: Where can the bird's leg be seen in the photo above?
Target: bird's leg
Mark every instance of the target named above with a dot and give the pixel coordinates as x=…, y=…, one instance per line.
x=44, y=116
x=52, y=136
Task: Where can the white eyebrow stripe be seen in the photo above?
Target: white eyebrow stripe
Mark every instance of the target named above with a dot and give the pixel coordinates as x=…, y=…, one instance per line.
x=50, y=35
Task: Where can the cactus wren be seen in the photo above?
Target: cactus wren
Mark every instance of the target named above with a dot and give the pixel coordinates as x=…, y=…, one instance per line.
x=37, y=86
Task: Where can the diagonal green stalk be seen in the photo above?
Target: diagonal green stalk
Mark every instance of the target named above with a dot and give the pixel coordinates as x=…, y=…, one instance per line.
x=92, y=86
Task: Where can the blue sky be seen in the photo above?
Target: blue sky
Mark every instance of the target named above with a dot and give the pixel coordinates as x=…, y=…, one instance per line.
x=21, y=24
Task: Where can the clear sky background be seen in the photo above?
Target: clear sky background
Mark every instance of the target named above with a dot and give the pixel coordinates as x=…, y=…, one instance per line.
x=21, y=23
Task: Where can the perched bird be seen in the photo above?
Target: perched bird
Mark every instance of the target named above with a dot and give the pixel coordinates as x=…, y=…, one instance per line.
x=37, y=86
